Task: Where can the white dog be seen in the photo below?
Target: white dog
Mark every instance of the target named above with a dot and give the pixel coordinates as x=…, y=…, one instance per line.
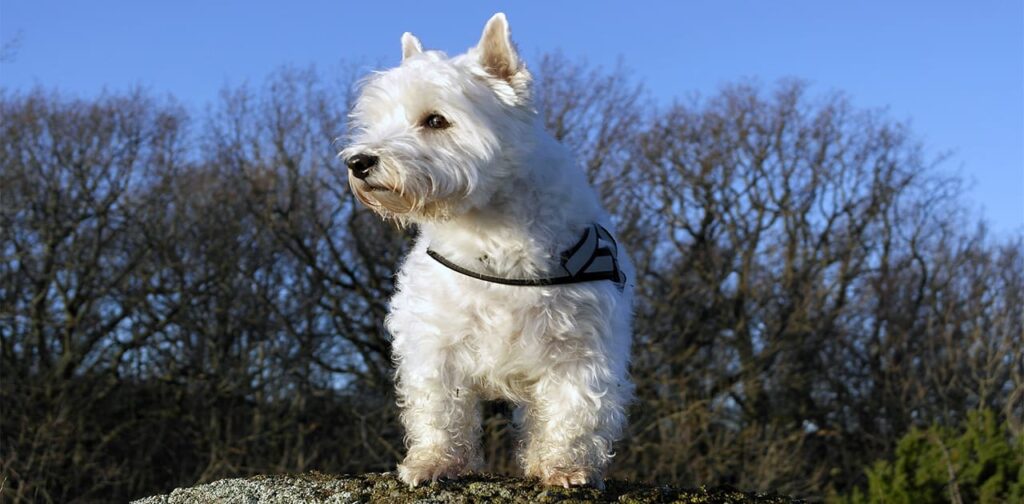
x=514, y=289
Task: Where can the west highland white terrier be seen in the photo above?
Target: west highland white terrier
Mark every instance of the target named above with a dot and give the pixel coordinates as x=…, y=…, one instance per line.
x=515, y=288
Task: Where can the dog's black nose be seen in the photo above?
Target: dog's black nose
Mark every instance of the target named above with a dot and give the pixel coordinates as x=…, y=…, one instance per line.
x=360, y=164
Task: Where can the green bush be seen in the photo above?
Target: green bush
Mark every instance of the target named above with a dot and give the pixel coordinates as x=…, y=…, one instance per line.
x=982, y=459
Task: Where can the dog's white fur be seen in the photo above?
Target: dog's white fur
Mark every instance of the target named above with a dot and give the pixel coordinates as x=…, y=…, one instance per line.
x=493, y=192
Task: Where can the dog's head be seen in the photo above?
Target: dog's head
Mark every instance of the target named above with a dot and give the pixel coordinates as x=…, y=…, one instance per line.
x=434, y=136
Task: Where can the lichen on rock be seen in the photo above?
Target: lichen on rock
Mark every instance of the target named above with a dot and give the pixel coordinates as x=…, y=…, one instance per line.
x=314, y=487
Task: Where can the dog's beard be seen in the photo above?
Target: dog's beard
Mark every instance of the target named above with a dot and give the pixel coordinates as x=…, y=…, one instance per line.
x=400, y=201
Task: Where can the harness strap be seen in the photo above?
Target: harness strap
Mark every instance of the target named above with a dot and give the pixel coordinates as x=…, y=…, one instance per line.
x=593, y=258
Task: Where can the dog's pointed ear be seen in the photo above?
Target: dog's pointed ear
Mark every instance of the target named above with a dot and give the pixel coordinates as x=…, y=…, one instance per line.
x=411, y=46
x=498, y=57
x=497, y=54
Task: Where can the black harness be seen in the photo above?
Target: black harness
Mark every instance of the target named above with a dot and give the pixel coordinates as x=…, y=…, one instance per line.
x=593, y=258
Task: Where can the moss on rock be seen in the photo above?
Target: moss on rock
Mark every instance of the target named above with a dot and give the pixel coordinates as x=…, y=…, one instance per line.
x=316, y=487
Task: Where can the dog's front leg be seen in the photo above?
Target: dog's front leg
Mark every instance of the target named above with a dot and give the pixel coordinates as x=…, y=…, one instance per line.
x=576, y=412
x=442, y=421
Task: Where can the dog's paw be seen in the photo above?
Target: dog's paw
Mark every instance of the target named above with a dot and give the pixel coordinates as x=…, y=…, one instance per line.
x=569, y=478
x=412, y=472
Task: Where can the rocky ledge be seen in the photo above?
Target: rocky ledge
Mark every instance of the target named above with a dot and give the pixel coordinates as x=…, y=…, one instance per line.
x=316, y=487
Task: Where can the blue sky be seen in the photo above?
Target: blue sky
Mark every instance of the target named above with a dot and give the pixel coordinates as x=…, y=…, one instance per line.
x=955, y=69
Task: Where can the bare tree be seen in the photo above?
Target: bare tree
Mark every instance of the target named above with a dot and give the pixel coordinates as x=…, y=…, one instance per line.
x=70, y=245
x=791, y=303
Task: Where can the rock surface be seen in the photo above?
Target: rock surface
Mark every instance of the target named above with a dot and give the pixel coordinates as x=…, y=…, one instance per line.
x=384, y=487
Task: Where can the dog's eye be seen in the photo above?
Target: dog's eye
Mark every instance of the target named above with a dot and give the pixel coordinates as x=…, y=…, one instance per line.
x=436, y=121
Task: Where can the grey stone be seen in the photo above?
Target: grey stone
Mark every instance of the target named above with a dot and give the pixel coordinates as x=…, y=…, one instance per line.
x=314, y=487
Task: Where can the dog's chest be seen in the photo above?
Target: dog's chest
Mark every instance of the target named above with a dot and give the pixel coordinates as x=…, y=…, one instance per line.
x=502, y=337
